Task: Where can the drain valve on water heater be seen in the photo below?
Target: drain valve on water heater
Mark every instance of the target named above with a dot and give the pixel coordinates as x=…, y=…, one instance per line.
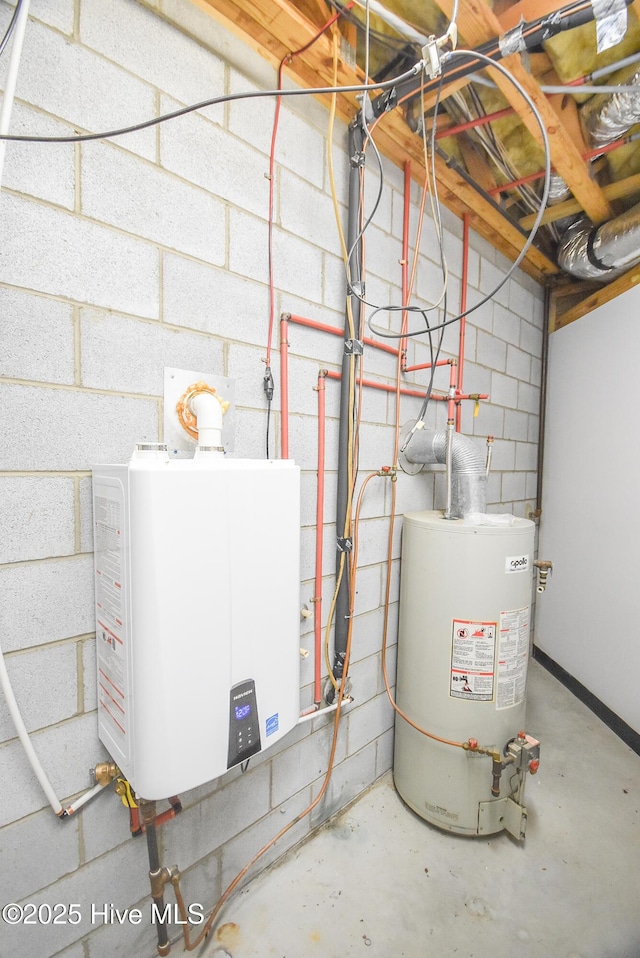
x=545, y=568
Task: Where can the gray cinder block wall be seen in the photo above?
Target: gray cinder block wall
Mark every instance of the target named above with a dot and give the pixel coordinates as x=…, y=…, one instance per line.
x=117, y=259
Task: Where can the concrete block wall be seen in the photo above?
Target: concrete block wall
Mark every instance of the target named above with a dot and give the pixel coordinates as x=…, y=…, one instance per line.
x=119, y=258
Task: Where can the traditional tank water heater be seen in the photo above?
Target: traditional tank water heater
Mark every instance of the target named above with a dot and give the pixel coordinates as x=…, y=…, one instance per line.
x=197, y=614
x=463, y=650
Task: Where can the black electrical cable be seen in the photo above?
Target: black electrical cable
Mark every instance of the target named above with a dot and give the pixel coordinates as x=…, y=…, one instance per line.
x=213, y=101
x=443, y=264
x=473, y=54
x=367, y=139
x=530, y=34
x=439, y=232
x=11, y=27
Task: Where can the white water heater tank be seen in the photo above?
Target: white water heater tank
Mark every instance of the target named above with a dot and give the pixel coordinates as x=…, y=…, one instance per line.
x=197, y=614
x=463, y=650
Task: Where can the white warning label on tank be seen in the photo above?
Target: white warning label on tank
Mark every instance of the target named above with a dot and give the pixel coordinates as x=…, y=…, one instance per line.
x=513, y=657
x=473, y=647
x=110, y=614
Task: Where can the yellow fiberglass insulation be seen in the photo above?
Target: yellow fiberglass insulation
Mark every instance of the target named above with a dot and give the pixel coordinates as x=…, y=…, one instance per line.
x=523, y=151
x=573, y=54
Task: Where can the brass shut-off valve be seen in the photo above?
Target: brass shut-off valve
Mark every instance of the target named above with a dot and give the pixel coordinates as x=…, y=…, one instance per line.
x=104, y=773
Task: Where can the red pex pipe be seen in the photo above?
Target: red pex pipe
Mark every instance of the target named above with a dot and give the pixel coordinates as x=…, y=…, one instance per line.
x=410, y=392
x=336, y=331
x=439, y=362
x=470, y=124
x=589, y=155
x=384, y=386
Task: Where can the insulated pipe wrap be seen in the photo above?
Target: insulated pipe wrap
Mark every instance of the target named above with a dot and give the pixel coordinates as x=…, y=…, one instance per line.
x=468, y=469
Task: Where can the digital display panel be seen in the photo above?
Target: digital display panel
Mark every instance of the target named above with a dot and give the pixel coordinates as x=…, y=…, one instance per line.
x=242, y=711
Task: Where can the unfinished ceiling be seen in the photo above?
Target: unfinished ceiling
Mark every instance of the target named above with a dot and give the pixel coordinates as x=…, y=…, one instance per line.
x=481, y=164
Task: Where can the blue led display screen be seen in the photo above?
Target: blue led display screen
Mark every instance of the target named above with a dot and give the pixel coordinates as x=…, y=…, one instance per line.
x=242, y=711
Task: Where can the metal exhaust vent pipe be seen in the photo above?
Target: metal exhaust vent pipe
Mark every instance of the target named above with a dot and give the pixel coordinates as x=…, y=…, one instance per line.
x=603, y=252
x=468, y=468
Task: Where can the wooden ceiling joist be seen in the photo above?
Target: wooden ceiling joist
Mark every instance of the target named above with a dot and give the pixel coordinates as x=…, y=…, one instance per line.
x=621, y=189
x=276, y=28
x=479, y=24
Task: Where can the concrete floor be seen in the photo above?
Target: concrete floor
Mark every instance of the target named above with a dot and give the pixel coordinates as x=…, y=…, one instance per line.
x=379, y=882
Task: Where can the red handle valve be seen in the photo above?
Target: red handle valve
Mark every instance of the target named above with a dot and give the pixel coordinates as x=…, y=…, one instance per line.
x=534, y=765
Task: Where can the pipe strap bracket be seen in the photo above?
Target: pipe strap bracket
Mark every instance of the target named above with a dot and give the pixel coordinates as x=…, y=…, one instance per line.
x=512, y=41
x=591, y=254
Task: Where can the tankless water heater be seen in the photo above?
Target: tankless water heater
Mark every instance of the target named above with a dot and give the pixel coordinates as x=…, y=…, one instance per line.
x=197, y=614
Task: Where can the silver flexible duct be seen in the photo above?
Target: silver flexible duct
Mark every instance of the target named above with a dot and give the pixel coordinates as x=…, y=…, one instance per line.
x=602, y=253
x=607, y=251
x=608, y=116
x=468, y=468
x=558, y=190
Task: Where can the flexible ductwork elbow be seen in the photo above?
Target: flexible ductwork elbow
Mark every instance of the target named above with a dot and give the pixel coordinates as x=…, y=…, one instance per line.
x=607, y=116
x=468, y=468
x=604, y=252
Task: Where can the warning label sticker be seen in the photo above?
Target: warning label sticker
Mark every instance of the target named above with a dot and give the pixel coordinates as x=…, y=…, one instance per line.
x=473, y=647
x=513, y=657
x=110, y=628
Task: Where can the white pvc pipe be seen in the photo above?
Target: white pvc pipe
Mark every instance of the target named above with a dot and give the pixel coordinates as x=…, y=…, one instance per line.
x=34, y=761
x=316, y=713
x=14, y=712
x=12, y=76
x=208, y=411
x=83, y=799
x=5, y=682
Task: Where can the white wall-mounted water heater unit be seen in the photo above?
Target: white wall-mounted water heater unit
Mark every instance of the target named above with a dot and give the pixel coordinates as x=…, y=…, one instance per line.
x=197, y=614
x=463, y=650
